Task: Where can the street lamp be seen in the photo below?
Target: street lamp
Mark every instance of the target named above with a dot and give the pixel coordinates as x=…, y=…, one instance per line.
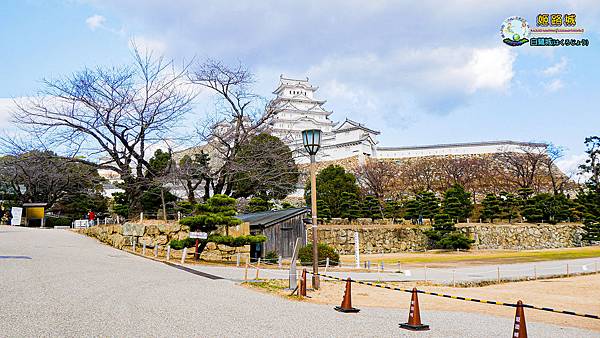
x=312, y=142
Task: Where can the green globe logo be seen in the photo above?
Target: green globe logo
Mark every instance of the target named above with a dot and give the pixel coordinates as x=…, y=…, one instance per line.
x=516, y=37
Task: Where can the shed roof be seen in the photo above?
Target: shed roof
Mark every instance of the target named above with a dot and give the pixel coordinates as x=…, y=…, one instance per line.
x=31, y=205
x=268, y=218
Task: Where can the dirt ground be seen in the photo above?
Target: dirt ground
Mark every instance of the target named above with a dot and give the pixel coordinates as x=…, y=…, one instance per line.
x=440, y=259
x=580, y=294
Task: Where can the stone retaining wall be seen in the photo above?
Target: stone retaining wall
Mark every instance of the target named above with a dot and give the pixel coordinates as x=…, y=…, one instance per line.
x=523, y=236
x=373, y=239
x=389, y=238
x=121, y=236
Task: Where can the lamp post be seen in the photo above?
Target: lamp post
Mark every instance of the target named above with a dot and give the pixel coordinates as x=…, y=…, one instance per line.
x=312, y=142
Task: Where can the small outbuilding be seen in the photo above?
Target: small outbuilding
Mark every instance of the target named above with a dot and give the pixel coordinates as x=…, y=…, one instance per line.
x=35, y=214
x=281, y=227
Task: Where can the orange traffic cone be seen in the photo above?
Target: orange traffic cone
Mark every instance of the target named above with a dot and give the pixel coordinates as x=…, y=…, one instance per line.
x=303, y=284
x=520, y=329
x=414, y=316
x=347, y=301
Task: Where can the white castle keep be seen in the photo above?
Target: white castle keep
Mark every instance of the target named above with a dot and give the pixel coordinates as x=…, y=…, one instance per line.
x=301, y=110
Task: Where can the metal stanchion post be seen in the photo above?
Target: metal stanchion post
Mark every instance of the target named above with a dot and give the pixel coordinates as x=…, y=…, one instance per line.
x=453, y=280
x=257, y=268
x=498, y=274
x=183, y=254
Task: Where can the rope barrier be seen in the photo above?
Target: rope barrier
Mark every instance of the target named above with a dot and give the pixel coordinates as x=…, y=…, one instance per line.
x=572, y=313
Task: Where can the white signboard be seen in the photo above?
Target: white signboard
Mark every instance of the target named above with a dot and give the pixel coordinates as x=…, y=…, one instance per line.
x=16, y=213
x=81, y=223
x=199, y=235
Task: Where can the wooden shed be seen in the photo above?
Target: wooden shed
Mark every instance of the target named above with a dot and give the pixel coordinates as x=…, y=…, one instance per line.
x=281, y=227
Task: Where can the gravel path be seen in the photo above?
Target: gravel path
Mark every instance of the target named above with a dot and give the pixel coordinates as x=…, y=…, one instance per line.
x=438, y=275
x=75, y=286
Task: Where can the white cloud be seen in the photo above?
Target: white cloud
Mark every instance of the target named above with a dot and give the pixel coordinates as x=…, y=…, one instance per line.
x=435, y=80
x=570, y=166
x=554, y=85
x=556, y=68
x=95, y=21
x=146, y=44
x=6, y=106
x=490, y=68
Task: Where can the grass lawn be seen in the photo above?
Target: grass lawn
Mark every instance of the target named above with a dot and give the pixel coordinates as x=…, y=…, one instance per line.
x=480, y=257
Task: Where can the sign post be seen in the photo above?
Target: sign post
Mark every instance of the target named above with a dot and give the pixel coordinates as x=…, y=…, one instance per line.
x=292, y=276
x=198, y=235
x=356, y=250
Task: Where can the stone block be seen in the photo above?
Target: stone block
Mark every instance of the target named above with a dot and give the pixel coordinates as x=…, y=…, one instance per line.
x=174, y=227
x=118, y=229
x=133, y=229
x=163, y=228
x=152, y=230
x=162, y=239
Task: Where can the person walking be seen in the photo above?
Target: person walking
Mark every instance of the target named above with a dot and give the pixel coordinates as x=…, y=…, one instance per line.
x=91, y=217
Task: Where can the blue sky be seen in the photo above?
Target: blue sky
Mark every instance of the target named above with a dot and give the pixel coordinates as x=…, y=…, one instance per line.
x=421, y=73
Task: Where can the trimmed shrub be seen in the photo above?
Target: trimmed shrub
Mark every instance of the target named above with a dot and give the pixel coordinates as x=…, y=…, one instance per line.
x=52, y=222
x=237, y=241
x=271, y=257
x=184, y=243
x=455, y=240
x=325, y=251
x=218, y=239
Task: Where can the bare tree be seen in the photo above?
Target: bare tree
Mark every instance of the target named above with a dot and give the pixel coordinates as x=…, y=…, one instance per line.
x=115, y=112
x=521, y=168
x=557, y=178
x=377, y=178
x=41, y=176
x=240, y=115
x=421, y=174
x=191, y=172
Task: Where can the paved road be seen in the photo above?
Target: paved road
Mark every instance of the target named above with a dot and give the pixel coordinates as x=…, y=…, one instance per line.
x=74, y=286
x=440, y=275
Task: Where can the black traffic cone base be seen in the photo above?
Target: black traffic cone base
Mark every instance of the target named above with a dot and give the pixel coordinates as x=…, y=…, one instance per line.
x=421, y=327
x=348, y=310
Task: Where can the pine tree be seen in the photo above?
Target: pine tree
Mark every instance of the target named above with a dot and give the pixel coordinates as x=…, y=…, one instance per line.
x=491, y=207
x=592, y=230
x=443, y=223
x=509, y=206
x=413, y=210
x=323, y=211
x=457, y=202
x=453, y=207
x=392, y=209
x=257, y=204
x=429, y=204
x=371, y=208
x=349, y=206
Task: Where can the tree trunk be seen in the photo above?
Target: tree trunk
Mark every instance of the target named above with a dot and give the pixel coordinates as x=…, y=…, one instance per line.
x=190, y=191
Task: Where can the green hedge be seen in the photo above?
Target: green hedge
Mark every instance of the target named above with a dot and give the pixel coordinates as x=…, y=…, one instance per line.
x=325, y=251
x=58, y=221
x=237, y=241
x=184, y=243
x=219, y=239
